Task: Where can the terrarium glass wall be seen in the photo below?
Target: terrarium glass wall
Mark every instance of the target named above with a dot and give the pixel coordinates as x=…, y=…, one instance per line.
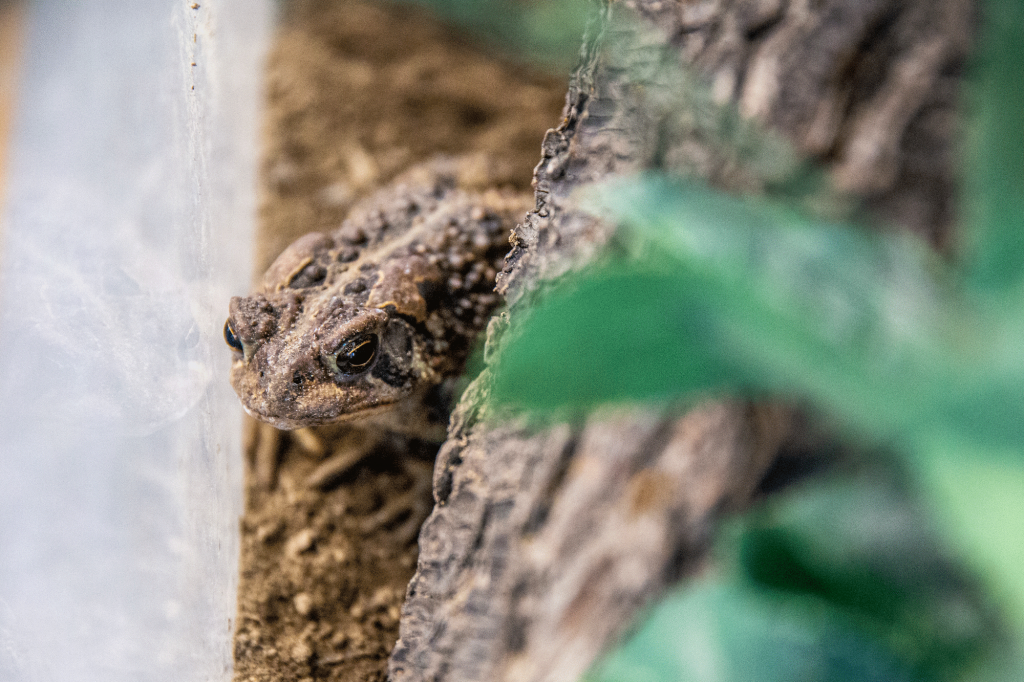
x=127, y=225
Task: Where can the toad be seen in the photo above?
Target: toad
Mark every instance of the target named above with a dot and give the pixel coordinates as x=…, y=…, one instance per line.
x=372, y=321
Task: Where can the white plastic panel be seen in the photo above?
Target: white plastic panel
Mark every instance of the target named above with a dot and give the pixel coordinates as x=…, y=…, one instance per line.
x=128, y=224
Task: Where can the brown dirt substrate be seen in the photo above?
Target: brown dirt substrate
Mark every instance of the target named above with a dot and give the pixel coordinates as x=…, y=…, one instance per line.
x=356, y=93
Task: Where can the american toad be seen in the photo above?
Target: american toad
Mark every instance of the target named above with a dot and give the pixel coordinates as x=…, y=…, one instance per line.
x=365, y=323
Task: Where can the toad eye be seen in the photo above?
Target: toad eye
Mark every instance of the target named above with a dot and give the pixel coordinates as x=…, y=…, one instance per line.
x=357, y=354
x=230, y=337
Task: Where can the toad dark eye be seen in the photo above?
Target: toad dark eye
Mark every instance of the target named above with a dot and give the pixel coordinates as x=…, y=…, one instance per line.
x=231, y=338
x=357, y=354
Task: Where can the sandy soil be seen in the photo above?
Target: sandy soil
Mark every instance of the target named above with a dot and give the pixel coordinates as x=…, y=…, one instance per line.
x=356, y=93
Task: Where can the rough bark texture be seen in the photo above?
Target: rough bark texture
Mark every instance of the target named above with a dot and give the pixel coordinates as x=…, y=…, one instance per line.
x=543, y=546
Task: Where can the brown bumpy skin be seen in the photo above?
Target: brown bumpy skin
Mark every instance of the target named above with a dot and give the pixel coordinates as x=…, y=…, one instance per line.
x=369, y=318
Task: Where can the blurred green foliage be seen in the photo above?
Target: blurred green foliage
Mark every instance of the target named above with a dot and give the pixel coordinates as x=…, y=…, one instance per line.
x=839, y=582
x=994, y=200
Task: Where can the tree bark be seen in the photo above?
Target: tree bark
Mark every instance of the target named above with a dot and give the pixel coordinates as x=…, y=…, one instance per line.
x=545, y=545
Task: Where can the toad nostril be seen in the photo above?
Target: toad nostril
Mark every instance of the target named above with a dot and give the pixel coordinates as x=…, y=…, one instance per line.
x=297, y=378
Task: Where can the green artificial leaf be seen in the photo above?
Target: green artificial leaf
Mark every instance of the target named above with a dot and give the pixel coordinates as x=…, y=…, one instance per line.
x=919, y=363
x=864, y=549
x=735, y=293
x=836, y=582
x=727, y=632
x=869, y=325
x=619, y=335
x=979, y=500
x=728, y=295
x=994, y=182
